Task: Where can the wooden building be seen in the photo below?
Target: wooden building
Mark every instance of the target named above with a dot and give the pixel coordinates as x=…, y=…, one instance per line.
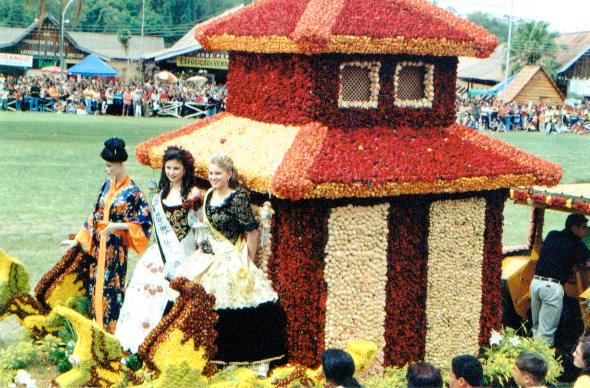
x=41, y=41
x=573, y=77
x=532, y=84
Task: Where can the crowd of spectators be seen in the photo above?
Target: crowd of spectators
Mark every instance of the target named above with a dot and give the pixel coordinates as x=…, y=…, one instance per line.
x=491, y=114
x=62, y=94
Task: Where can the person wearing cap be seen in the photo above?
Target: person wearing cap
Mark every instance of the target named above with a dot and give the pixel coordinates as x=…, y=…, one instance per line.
x=466, y=372
x=561, y=252
x=120, y=220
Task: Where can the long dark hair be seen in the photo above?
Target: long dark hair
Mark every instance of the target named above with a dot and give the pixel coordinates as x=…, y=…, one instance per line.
x=339, y=368
x=187, y=161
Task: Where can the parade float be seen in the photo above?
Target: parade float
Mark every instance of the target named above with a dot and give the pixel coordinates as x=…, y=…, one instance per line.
x=388, y=214
x=387, y=222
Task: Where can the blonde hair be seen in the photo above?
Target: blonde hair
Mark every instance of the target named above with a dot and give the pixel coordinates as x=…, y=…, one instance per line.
x=225, y=162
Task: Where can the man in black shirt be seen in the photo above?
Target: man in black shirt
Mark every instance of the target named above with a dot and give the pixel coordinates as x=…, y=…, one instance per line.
x=561, y=252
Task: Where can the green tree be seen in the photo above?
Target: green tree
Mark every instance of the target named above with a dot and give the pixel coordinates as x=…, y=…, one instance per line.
x=124, y=36
x=495, y=25
x=534, y=44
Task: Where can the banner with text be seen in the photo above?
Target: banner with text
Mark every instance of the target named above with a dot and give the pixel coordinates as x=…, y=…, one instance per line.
x=16, y=60
x=203, y=63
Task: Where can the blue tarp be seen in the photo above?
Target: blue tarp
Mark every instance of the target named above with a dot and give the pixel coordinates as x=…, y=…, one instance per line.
x=93, y=66
x=493, y=90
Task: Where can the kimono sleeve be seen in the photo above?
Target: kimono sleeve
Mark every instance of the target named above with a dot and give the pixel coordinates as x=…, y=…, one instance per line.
x=138, y=221
x=84, y=236
x=241, y=210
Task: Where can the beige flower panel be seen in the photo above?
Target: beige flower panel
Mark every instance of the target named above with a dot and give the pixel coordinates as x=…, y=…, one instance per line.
x=355, y=272
x=455, y=257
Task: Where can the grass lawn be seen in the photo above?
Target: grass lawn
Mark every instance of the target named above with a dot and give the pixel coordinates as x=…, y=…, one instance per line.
x=51, y=172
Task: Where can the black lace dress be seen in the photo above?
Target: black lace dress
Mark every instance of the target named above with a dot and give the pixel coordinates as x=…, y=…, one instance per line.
x=251, y=324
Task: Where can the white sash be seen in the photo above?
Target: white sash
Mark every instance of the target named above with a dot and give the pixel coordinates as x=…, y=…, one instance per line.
x=166, y=238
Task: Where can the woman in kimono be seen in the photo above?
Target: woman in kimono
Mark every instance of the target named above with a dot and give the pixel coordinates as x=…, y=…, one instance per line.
x=251, y=322
x=148, y=292
x=120, y=220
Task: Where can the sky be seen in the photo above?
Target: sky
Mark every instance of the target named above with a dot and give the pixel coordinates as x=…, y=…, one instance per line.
x=563, y=15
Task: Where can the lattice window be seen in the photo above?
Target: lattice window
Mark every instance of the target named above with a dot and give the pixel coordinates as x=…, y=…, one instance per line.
x=414, y=85
x=359, y=85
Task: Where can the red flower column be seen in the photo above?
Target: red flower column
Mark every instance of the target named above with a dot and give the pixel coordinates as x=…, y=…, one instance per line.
x=405, y=323
x=296, y=268
x=491, y=303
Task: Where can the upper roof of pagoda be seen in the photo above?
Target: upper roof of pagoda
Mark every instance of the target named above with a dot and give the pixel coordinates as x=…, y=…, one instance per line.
x=346, y=26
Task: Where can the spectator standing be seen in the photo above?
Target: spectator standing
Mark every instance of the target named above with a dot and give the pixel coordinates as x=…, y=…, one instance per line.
x=423, y=374
x=561, y=251
x=466, y=371
x=127, y=100
x=530, y=370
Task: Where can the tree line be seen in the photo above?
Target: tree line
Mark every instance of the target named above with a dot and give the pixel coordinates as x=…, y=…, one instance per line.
x=532, y=41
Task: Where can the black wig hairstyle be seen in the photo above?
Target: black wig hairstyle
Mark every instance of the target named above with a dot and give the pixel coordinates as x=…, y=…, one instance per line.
x=339, y=368
x=187, y=161
x=114, y=150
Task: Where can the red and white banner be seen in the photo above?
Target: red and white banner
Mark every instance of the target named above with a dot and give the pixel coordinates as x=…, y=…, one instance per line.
x=17, y=60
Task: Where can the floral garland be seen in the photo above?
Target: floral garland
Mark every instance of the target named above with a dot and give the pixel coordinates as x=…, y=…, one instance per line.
x=405, y=324
x=554, y=200
x=425, y=102
x=373, y=72
x=320, y=26
x=296, y=269
x=491, y=302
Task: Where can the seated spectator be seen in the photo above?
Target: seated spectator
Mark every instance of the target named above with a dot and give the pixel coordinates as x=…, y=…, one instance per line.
x=466, y=371
x=582, y=361
x=338, y=368
x=530, y=370
x=423, y=374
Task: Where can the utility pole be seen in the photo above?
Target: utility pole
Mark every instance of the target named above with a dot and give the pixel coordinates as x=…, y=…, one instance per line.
x=507, y=70
x=142, y=52
x=61, y=36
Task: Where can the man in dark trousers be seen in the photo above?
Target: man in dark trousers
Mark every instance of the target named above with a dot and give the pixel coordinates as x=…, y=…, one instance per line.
x=561, y=252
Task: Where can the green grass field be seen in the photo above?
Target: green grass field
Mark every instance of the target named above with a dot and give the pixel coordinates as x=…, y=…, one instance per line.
x=50, y=173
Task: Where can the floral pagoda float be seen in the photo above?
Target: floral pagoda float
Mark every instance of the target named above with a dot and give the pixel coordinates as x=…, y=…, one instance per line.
x=387, y=222
x=388, y=214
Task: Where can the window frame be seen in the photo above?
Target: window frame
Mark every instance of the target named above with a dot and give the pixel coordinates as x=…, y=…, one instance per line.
x=374, y=68
x=427, y=100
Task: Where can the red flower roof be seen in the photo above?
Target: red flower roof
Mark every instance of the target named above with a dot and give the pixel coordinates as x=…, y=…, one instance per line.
x=347, y=26
x=315, y=161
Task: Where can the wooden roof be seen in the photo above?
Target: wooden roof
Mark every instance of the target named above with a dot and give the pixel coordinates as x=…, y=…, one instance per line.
x=532, y=83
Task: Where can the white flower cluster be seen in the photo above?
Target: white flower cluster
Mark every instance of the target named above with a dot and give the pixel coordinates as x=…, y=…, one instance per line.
x=425, y=102
x=24, y=378
x=373, y=68
x=455, y=259
x=356, y=276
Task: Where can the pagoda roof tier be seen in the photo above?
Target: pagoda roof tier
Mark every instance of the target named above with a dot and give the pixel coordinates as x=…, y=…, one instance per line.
x=347, y=26
x=315, y=161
